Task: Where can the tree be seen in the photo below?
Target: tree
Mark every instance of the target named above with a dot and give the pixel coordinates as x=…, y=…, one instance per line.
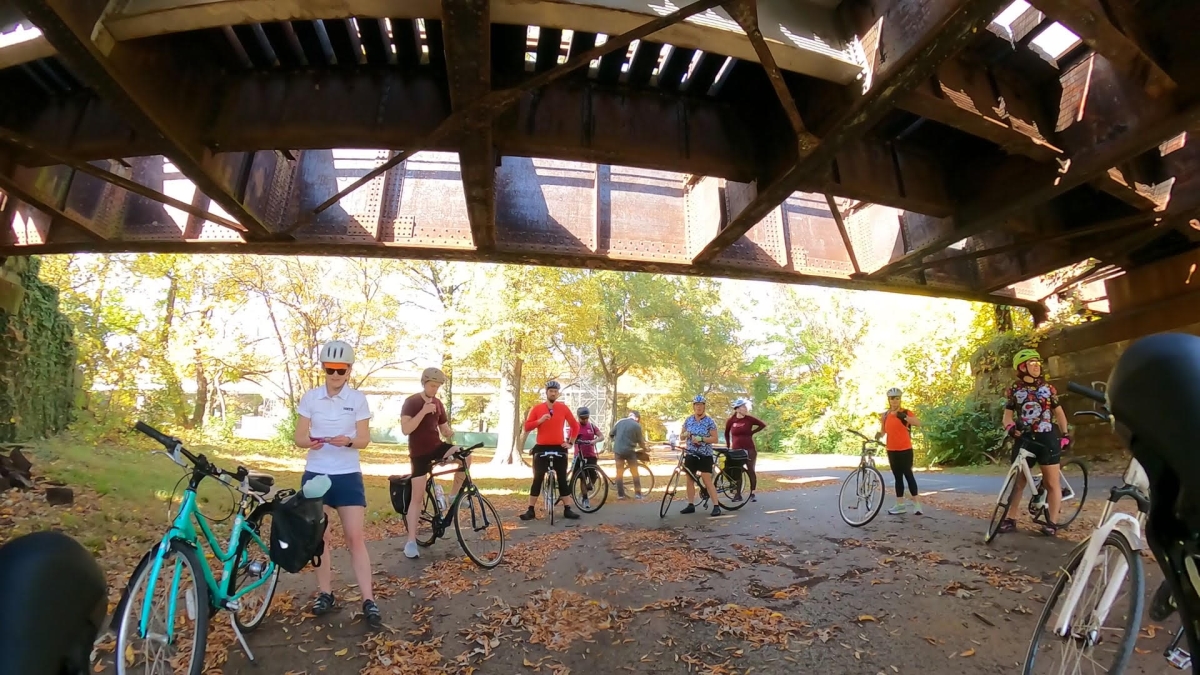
x=441, y=288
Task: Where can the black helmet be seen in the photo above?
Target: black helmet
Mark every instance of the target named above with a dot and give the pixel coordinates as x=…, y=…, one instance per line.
x=553, y=384
x=583, y=412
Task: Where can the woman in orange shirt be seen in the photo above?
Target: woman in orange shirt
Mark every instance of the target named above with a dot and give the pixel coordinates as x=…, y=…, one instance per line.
x=895, y=424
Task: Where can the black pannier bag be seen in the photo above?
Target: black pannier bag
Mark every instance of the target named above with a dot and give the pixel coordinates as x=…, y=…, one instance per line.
x=297, y=530
x=401, y=490
x=735, y=464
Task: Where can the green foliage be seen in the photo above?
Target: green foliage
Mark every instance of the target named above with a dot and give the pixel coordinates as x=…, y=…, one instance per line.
x=960, y=430
x=37, y=361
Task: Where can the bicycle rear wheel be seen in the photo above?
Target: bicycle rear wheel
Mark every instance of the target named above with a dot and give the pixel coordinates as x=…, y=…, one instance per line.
x=253, y=565
x=427, y=530
x=729, y=487
x=1090, y=644
x=178, y=597
x=1074, y=483
x=861, y=496
x=1006, y=497
x=669, y=493
x=589, y=500
x=645, y=473
x=479, y=529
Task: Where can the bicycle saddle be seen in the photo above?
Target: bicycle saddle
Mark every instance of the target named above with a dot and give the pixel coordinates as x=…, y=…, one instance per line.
x=53, y=598
x=261, y=483
x=1154, y=392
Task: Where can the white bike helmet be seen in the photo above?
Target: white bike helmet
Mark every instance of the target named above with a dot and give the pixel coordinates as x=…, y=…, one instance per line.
x=336, y=351
x=894, y=392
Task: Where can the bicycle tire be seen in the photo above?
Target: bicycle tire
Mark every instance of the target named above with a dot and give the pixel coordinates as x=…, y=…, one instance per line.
x=669, y=493
x=1080, y=491
x=1001, y=508
x=600, y=482
x=485, y=507
x=431, y=514
x=550, y=492
x=1133, y=619
x=133, y=608
x=256, y=522
x=863, y=473
x=644, y=470
x=727, y=488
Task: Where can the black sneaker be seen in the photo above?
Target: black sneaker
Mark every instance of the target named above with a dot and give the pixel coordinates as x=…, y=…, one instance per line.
x=323, y=604
x=690, y=508
x=716, y=510
x=568, y=513
x=371, y=614
x=1163, y=604
x=529, y=514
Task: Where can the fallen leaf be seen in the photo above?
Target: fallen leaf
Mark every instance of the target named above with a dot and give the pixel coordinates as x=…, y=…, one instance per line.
x=1141, y=651
x=342, y=652
x=969, y=652
x=862, y=618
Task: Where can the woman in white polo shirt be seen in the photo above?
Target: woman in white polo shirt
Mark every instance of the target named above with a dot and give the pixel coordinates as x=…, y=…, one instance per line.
x=334, y=425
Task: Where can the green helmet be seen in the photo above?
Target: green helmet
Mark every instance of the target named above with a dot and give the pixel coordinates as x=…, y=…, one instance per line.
x=1025, y=355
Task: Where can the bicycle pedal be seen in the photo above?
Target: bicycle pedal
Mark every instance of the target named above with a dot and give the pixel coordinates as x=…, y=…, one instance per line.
x=1179, y=658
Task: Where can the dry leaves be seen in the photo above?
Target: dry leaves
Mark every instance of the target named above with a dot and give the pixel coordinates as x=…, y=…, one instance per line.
x=667, y=558
x=557, y=617
x=756, y=625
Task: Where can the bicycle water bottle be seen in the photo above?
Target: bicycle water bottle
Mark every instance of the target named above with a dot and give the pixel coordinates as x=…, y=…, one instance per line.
x=440, y=495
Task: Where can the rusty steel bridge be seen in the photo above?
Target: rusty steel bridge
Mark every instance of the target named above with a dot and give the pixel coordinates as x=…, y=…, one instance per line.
x=955, y=148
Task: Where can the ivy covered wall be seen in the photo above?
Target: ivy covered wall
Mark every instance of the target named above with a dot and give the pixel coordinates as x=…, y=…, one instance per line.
x=37, y=358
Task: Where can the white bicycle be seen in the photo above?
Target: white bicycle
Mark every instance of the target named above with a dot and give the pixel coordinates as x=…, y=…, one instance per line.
x=1072, y=636
x=1073, y=480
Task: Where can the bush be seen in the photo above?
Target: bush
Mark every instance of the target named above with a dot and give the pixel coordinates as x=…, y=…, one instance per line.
x=960, y=430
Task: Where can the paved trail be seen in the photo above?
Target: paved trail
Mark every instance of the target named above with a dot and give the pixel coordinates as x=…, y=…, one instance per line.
x=901, y=595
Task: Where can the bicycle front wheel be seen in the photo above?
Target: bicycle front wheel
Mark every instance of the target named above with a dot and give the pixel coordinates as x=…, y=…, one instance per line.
x=669, y=493
x=729, y=489
x=590, y=489
x=1074, y=483
x=175, y=632
x=254, y=567
x=479, y=530
x=550, y=493
x=1089, y=644
x=861, y=496
x=1006, y=497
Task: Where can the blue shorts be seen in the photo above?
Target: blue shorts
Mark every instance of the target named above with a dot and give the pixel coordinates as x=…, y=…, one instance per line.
x=345, y=489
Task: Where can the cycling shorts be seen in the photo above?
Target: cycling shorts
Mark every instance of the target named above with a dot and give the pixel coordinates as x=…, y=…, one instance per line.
x=698, y=463
x=1045, y=446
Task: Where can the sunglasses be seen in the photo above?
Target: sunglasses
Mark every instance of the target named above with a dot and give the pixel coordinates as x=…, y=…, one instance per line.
x=336, y=371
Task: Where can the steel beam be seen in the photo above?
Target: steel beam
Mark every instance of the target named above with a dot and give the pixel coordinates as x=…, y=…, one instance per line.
x=926, y=34
x=53, y=206
x=142, y=82
x=1090, y=20
x=7, y=136
x=467, y=30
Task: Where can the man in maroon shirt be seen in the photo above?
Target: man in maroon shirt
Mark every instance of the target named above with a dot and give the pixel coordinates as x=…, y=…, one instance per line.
x=423, y=419
x=739, y=435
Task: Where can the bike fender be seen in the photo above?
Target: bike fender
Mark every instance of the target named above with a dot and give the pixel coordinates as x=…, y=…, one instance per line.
x=1131, y=528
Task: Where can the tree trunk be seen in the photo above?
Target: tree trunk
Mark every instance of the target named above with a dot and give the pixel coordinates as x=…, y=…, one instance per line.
x=201, y=394
x=1004, y=318
x=508, y=430
x=448, y=389
x=610, y=394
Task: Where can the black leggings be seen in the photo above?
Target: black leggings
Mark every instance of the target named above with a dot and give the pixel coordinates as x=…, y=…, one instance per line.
x=902, y=462
x=753, y=454
x=541, y=464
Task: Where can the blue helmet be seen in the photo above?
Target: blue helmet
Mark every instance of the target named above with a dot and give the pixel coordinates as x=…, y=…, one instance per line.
x=740, y=402
x=553, y=384
x=583, y=412
x=699, y=399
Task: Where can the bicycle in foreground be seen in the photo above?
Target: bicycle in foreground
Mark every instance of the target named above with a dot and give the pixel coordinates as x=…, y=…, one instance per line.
x=476, y=522
x=727, y=482
x=1073, y=480
x=1071, y=635
x=863, y=491
x=173, y=592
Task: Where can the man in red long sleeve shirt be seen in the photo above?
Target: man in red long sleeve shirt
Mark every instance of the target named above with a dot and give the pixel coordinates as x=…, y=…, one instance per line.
x=550, y=448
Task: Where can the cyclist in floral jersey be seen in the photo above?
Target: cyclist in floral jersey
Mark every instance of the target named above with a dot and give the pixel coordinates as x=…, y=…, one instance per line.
x=1033, y=416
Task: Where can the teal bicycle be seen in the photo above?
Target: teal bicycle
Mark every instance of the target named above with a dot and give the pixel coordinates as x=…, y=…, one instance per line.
x=164, y=613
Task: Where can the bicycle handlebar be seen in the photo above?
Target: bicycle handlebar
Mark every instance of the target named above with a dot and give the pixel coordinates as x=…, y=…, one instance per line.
x=1088, y=392
x=863, y=436
x=201, y=462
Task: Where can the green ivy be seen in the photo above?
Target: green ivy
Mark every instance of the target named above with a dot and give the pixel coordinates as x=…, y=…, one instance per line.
x=37, y=361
